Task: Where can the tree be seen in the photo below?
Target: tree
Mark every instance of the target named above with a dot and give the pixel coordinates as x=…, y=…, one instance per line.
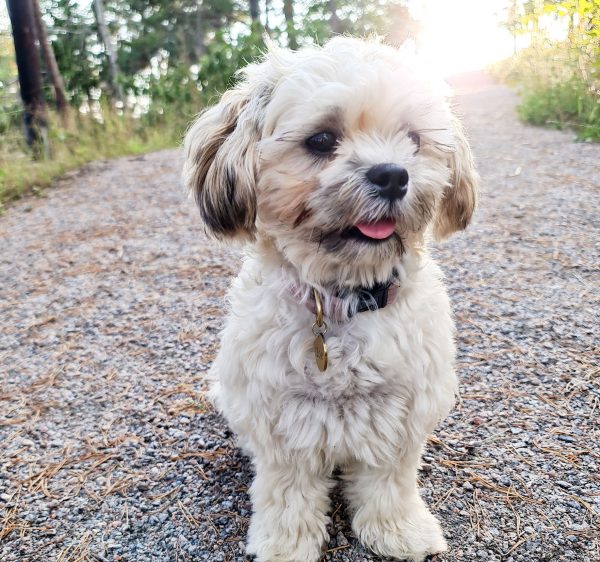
x=267, y=15
x=254, y=11
x=51, y=65
x=288, y=12
x=162, y=51
x=72, y=33
x=30, y=79
x=513, y=22
x=334, y=20
x=109, y=48
x=199, y=45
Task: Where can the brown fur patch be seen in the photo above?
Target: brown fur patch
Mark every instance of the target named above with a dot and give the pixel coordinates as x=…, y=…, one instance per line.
x=287, y=204
x=363, y=121
x=222, y=162
x=460, y=197
x=304, y=214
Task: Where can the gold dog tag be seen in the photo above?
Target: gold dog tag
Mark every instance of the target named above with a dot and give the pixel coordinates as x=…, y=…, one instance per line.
x=320, y=348
x=319, y=328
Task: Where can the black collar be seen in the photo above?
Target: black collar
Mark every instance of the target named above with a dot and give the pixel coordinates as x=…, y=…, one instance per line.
x=372, y=298
x=342, y=304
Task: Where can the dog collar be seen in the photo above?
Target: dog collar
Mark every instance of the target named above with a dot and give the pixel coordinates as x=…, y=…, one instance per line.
x=376, y=297
x=343, y=304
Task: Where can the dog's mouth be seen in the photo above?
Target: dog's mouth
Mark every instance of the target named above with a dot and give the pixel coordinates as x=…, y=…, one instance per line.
x=371, y=232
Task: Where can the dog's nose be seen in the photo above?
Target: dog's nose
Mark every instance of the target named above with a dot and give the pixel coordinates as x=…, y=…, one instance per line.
x=391, y=180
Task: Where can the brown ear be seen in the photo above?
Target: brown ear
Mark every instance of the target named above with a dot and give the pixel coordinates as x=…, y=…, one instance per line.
x=459, y=200
x=221, y=163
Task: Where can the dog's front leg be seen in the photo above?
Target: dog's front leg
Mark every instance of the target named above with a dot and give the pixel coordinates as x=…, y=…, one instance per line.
x=290, y=504
x=389, y=515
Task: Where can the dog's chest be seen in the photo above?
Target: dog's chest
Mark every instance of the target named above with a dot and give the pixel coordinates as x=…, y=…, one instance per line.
x=389, y=377
x=361, y=403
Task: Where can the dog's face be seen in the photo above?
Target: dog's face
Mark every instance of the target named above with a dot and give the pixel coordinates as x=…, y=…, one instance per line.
x=339, y=157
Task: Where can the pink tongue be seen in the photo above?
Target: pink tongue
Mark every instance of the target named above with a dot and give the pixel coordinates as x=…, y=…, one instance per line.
x=378, y=230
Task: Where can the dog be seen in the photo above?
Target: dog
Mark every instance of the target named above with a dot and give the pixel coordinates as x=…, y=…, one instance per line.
x=334, y=166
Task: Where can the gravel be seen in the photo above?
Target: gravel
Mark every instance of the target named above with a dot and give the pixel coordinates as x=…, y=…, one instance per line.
x=111, y=301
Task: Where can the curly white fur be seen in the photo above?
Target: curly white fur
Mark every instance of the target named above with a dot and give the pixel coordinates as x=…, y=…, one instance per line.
x=390, y=377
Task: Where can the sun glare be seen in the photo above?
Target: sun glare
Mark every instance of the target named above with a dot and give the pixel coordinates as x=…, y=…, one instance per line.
x=462, y=35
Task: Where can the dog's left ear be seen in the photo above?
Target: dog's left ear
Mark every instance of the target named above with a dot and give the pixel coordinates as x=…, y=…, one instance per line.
x=221, y=161
x=459, y=200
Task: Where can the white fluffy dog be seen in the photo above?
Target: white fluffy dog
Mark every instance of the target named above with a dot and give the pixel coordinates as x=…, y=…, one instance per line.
x=334, y=165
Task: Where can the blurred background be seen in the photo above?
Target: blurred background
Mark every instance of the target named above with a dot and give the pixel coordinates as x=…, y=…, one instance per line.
x=105, y=78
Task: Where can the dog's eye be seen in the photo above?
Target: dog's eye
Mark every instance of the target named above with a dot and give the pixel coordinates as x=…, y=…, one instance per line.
x=416, y=138
x=321, y=143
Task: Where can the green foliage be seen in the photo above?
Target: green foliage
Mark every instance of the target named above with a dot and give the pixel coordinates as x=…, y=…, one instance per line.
x=359, y=17
x=175, y=27
x=568, y=104
x=10, y=106
x=75, y=45
x=559, y=80
x=224, y=58
x=8, y=69
x=174, y=56
x=156, y=39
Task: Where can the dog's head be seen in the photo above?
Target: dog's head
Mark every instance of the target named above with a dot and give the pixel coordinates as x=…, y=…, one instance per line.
x=340, y=157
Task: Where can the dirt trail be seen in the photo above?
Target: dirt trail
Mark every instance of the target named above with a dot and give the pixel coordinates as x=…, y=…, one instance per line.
x=111, y=300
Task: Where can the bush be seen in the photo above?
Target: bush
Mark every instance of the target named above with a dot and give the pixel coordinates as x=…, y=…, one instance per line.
x=556, y=89
x=570, y=104
x=559, y=80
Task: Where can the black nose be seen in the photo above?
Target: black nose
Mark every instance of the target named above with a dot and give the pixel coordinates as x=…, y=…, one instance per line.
x=391, y=180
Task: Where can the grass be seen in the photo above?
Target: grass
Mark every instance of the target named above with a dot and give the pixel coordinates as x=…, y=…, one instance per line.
x=570, y=104
x=85, y=140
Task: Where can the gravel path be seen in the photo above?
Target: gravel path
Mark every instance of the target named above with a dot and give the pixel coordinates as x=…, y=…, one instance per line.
x=111, y=301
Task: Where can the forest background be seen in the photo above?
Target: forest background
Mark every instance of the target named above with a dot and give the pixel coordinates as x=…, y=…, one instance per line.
x=129, y=75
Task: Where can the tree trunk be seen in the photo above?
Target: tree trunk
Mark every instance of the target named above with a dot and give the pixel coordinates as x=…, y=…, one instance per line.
x=106, y=38
x=267, y=14
x=199, y=46
x=334, y=21
x=288, y=12
x=254, y=11
x=30, y=78
x=48, y=53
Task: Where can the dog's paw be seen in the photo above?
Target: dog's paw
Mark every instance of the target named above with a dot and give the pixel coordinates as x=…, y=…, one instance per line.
x=277, y=544
x=214, y=392
x=412, y=535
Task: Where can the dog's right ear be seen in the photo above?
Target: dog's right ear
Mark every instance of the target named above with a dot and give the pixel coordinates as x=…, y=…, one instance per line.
x=457, y=206
x=221, y=162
